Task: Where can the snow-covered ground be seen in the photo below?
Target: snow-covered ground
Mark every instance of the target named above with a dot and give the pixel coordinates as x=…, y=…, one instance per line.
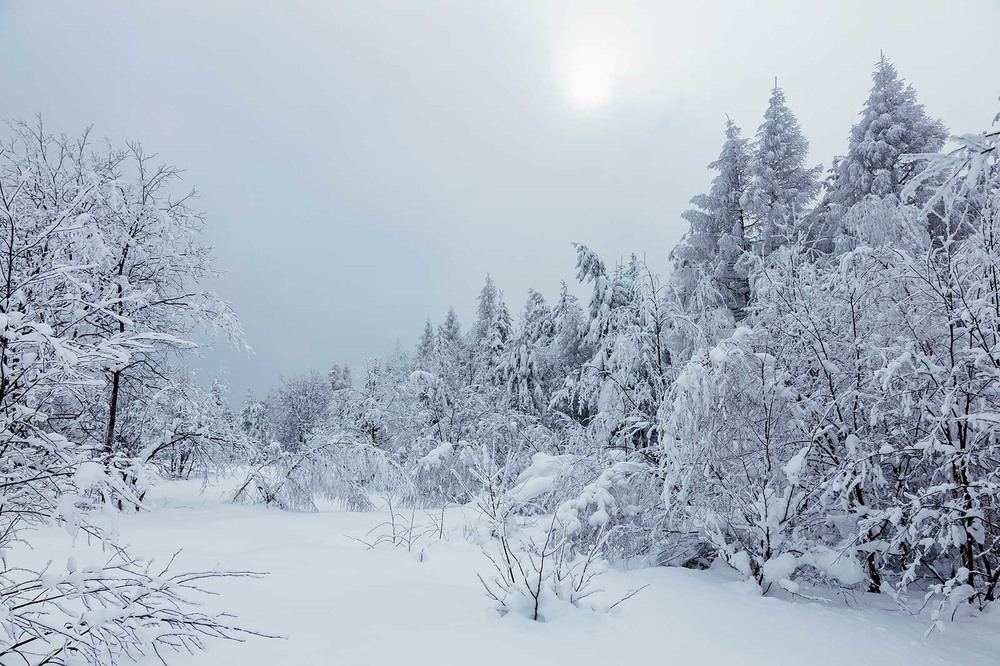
x=337, y=602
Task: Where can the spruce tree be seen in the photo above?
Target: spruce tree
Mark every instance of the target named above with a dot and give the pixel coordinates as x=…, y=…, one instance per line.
x=717, y=237
x=527, y=367
x=449, y=334
x=893, y=123
x=485, y=312
x=494, y=344
x=781, y=185
x=489, y=336
x=340, y=376
x=570, y=329
x=426, y=348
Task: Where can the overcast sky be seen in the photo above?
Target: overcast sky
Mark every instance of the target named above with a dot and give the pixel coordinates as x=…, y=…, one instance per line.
x=364, y=164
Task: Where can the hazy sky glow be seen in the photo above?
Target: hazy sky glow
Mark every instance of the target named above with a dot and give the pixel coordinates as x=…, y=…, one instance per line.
x=364, y=164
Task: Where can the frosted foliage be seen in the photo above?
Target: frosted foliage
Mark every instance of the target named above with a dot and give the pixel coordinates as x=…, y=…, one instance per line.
x=879, y=163
x=855, y=414
x=893, y=124
x=98, y=275
x=781, y=186
x=528, y=367
x=733, y=476
x=295, y=407
x=338, y=470
x=719, y=233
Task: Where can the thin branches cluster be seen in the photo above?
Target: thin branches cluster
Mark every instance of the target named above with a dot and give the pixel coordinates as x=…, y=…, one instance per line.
x=99, y=267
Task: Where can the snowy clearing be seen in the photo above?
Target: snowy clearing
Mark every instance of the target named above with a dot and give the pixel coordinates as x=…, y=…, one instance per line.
x=337, y=602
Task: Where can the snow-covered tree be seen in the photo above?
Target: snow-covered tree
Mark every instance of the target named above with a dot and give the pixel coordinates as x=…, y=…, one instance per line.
x=944, y=523
x=426, y=348
x=781, y=185
x=146, y=262
x=570, y=349
x=56, y=354
x=452, y=351
x=254, y=422
x=295, y=406
x=450, y=332
x=718, y=239
x=527, y=367
x=489, y=336
x=893, y=125
x=188, y=429
x=340, y=377
x=803, y=415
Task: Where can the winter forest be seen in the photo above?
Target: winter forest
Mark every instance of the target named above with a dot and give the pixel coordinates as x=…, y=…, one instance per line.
x=798, y=420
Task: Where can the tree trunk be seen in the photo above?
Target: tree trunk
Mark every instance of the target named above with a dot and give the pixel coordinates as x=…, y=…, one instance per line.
x=109, y=438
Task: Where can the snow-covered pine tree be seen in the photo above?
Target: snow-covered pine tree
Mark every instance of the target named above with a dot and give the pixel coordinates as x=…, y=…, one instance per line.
x=781, y=185
x=527, y=365
x=426, y=348
x=340, y=377
x=590, y=269
x=717, y=239
x=580, y=390
x=893, y=124
x=486, y=310
x=451, y=363
x=568, y=354
x=449, y=334
x=616, y=394
x=623, y=381
x=489, y=336
x=570, y=349
x=501, y=332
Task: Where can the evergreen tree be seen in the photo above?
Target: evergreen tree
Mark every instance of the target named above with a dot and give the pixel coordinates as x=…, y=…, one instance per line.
x=426, y=348
x=590, y=268
x=781, y=186
x=893, y=123
x=340, y=376
x=449, y=334
x=451, y=362
x=717, y=238
x=490, y=335
x=485, y=312
x=527, y=367
x=570, y=351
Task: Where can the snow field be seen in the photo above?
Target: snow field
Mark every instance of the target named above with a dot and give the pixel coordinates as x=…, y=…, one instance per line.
x=337, y=602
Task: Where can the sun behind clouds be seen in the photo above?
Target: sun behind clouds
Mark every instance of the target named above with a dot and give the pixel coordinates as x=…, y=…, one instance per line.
x=597, y=58
x=591, y=71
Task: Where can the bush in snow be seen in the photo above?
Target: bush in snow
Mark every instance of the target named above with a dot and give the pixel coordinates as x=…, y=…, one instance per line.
x=330, y=469
x=536, y=563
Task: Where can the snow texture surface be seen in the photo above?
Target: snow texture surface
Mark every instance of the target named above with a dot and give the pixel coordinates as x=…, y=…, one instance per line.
x=337, y=602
